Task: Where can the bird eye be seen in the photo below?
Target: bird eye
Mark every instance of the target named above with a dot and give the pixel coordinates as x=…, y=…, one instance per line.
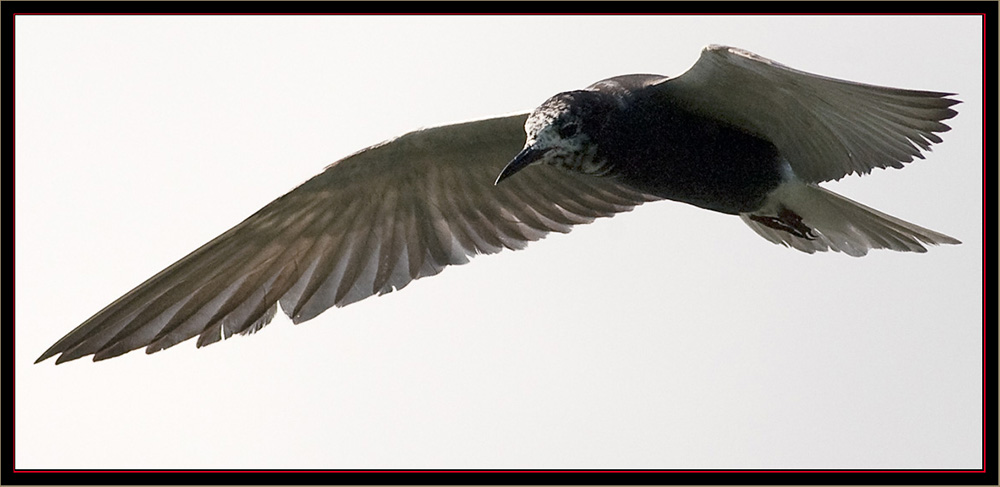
x=569, y=130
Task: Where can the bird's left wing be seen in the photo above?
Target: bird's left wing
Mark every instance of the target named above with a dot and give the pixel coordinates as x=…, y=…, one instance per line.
x=826, y=128
x=366, y=225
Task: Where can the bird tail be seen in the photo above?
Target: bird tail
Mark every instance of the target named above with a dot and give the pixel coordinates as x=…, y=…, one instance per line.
x=809, y=218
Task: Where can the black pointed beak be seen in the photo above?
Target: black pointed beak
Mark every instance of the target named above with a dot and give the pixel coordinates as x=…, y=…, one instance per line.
x=523, y=159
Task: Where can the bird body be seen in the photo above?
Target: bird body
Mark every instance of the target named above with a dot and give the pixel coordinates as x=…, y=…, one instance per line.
x=737, y=134
x=741, y=134
x=699, y=160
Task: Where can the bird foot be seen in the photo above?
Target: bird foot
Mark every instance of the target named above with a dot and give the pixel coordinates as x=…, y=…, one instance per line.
x=787, y=221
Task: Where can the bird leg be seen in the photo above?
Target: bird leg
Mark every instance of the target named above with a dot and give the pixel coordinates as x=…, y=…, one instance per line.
x=788, y=221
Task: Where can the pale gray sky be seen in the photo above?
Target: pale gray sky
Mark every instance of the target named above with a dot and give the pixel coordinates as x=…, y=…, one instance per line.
x=668, y=337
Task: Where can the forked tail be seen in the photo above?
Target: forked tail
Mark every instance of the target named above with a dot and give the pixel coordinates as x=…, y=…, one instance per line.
x=809, y=218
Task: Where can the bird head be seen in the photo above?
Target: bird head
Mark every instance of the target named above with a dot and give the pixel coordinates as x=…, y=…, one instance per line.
x=561, y=132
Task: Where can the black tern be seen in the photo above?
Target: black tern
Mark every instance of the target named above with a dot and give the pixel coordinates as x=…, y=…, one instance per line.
x=736, y=133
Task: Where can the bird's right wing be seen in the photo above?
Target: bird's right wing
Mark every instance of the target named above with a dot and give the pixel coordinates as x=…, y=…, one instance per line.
x=825, y=127
x=367, y=225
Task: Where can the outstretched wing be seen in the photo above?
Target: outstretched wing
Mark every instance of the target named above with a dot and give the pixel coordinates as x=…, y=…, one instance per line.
x=826, y=128
x=369, y=224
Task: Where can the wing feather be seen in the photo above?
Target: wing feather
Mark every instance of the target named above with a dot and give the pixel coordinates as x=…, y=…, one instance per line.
x=826, y=128
x=367, y=225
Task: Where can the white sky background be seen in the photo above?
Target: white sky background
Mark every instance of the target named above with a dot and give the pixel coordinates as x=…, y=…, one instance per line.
x=668, y=337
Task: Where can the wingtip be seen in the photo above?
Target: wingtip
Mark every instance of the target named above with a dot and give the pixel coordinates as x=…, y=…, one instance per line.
x=943, y=239
x=51, y=352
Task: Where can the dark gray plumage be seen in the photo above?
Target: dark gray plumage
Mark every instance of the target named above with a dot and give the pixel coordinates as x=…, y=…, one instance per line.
x=737, y=134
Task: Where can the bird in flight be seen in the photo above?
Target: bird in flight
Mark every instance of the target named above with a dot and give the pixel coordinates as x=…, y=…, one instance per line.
x=736, y=133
